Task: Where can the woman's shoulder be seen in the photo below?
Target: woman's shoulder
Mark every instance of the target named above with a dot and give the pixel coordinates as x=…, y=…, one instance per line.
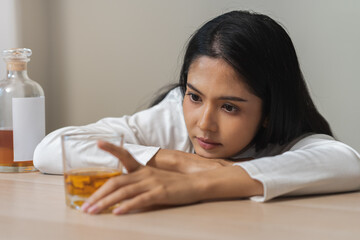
x=312, y=140
x=173, y=95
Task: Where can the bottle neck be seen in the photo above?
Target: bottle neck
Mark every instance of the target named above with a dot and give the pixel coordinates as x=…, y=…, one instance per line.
x=16, y=70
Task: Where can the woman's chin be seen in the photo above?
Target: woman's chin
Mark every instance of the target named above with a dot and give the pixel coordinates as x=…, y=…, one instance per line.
x=206, y=154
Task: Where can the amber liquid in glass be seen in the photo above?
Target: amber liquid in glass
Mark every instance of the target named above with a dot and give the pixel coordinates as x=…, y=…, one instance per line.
x=81, y=183
x=7, y=163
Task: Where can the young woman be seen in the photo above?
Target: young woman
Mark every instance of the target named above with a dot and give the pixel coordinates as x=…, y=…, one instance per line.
x=240, y=124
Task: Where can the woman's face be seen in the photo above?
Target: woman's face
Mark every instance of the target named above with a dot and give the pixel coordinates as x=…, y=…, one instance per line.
x=222, y=116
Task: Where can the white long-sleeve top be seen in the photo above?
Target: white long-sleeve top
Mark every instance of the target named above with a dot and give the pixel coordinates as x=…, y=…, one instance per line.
x=311, y=164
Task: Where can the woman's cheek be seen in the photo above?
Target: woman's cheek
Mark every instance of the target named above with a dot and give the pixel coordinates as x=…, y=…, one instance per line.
x=238, y=133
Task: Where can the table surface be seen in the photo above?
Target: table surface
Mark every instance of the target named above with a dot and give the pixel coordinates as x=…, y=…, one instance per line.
x=32, y=206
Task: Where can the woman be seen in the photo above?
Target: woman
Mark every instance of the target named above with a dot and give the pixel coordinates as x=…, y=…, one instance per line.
x=240, y=124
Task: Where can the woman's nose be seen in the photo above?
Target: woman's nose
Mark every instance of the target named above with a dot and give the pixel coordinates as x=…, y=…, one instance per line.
x=207, y=121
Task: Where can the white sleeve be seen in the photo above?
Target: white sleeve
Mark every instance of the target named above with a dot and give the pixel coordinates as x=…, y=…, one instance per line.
x=161, y=126
x=315, y=165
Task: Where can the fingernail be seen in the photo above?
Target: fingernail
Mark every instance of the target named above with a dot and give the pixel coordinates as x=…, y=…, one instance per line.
x=100, y=143
x=93, y=209
x=119, y=210
x=85, y=206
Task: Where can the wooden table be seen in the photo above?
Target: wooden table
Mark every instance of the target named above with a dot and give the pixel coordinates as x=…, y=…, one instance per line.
x=32, y=206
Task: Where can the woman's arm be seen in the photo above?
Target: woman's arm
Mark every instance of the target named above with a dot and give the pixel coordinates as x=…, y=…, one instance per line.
x=178, y=161
x=148, y=186
x=48, y=155
x=144, y=132
x=315, y=165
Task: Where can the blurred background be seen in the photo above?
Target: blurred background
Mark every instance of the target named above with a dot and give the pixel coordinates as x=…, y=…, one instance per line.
x=107, y=58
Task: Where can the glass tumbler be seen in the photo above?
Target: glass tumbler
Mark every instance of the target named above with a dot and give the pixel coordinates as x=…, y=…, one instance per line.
x=86, y=166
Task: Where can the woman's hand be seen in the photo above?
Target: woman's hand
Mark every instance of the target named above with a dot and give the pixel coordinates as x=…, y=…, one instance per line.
x=142, y=187
x=146, y=186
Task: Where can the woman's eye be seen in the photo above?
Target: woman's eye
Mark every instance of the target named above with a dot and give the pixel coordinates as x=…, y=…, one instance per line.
x=194, y=97
x=230, y=108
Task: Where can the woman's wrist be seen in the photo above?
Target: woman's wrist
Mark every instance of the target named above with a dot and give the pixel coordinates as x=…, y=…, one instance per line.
x=226, y=182
x=163, y=159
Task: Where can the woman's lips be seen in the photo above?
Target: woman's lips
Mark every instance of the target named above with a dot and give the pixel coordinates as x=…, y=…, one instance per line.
x=207, y=144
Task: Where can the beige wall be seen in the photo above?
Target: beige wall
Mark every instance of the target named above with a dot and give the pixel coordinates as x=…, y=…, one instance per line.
x=99, y=58
x=8, y=33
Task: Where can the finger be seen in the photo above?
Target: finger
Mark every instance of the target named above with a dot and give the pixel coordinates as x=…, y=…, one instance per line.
x=143, y=200
x=124, y=156
x=110, y=186
x=117, y=196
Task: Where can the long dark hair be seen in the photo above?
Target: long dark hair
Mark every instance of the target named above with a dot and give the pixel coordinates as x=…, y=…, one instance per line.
x=262, y=53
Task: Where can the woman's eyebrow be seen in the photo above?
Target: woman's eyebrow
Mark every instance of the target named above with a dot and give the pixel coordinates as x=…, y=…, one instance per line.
x=230, y=98
x=193, y=88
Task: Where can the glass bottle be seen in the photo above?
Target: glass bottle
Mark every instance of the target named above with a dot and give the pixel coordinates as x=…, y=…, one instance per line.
x=22, y=113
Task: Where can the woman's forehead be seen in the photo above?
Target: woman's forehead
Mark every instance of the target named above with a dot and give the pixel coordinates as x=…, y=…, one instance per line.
x=216, y=73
